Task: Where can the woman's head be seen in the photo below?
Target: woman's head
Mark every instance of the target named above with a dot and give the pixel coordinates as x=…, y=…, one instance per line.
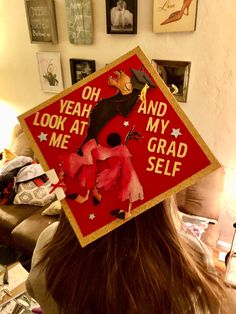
x=141, y=267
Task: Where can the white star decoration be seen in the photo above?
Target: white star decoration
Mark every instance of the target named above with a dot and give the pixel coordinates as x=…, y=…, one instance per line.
x=92, y=216
x=176, y=132
x=126, y=123
x=42, y=137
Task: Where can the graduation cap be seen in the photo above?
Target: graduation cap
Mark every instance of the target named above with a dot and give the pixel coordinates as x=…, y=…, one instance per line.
x=131, y=177
x=140, y=78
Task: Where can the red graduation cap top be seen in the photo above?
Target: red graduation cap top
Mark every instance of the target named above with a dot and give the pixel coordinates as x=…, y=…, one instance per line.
x=120, y=142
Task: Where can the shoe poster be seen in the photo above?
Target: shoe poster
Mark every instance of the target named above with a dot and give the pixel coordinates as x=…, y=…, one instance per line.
x=118, y=143
x=174, y=16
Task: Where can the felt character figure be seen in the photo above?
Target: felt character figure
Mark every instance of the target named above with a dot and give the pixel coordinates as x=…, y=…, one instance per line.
x=128, y=93
x=84, y=166
x=119, y=171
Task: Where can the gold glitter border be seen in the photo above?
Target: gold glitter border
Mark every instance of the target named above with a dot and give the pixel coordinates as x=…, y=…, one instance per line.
x=85, y=240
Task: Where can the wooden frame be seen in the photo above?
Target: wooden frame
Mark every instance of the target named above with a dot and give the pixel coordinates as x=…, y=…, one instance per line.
x=121, y=16
x=176, y=76
x=50, y=73
x=174, y=15
x=41, y=20
x=80, y=68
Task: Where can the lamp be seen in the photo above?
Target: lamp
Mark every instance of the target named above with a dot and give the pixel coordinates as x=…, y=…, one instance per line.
x=230, y=261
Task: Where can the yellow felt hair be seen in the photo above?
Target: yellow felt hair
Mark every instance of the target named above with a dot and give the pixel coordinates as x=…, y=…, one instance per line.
x=8, y=155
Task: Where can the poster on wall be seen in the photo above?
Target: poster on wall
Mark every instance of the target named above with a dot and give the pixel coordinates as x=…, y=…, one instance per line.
x=50, y=74
x=79, y=16
x=41, y=20
x=174, y=16
x=119, y=143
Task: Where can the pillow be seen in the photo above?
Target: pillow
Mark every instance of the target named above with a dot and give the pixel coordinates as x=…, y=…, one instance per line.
x=17, y=162
x=30, y=194
x=21, y=146
x=53, y=209
x=17, y=130
x=29, y=172
x=204, y=197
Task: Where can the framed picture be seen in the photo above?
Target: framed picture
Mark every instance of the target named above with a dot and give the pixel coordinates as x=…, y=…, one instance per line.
x=50, y=73
x=174, y=16
x=79, y=16
x=41, y=20
x=176, y=76
x=121, y=16
x=80, y=68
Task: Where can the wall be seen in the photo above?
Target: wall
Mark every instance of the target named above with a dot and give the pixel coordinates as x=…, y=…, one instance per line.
x=211, y=49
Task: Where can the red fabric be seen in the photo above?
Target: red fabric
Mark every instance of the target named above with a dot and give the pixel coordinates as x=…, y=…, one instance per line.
x=38, y=182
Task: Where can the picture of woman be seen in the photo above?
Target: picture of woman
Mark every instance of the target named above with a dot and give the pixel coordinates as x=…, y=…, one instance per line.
x=121, y=16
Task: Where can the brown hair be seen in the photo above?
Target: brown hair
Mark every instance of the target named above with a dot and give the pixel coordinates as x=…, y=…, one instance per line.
x=144, y=266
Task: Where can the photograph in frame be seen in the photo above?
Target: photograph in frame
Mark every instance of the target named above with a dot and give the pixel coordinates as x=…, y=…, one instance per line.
x=93, y=133
x=50, y=73
x=175, y=74
x=80, y=68
x=121, y=16
x=41, y=19
x=174, y=16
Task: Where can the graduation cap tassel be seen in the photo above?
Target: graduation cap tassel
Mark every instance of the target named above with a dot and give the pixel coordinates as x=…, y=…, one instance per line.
x=143, y=93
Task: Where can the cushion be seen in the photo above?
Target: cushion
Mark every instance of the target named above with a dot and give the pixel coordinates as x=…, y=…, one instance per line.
x=53, y=209
x=12, y=215
x=31, y=194
x=17, y=130
x=27, y=232
x=204, y=197
x=20, y=144
x=29, y=172
x=18, y=162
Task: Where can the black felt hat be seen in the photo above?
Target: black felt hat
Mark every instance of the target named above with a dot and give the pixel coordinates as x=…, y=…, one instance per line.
x=140, y=78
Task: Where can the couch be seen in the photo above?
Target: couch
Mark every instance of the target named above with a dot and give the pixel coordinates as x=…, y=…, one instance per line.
x=20, y=225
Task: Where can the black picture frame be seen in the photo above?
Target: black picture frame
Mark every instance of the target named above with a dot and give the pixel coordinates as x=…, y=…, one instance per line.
x=176, y=76
x=41, y=19
x=80, y=68
x=121, y=16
